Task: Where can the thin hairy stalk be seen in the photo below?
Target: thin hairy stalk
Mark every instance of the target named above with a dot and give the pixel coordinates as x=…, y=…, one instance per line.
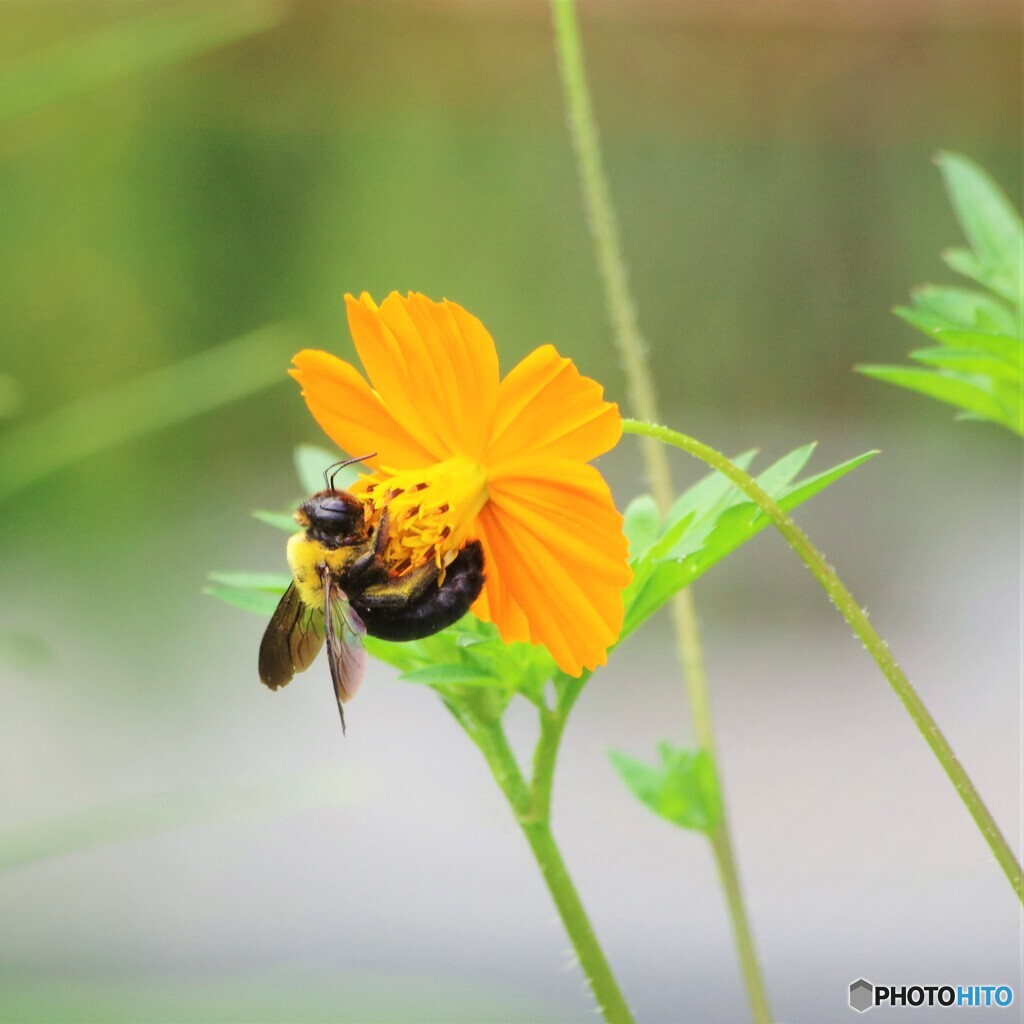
x=858, y=620
x=642, y=397
x=531, y=805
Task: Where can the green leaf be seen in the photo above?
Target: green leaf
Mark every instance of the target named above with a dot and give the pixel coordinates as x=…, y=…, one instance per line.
x=968, y=361
x=310, y=463
x=469, y=653
x=257, y=592
x=797, y=494
x=709, y=495
x=981, y=368
x=1009, y=349
x=991, y=224
x=936, y=308
x=270, y=582
x=780, y=474
x=718, y=520
x=448, y=675
x=694, y=512
x=976, y=395
x=258, y=601
x=682, y=789
x=641, y=524
x=160, y=35
x=172, y=394
x=279, y=520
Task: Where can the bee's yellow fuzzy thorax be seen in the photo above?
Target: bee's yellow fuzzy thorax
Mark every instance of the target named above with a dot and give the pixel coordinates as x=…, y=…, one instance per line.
x=305, y=557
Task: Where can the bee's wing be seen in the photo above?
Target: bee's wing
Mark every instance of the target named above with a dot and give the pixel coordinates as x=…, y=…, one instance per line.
x=345, y=632
x=292, y=640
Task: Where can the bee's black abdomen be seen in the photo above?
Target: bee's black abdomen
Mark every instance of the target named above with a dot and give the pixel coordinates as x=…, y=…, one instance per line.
x=436, y=608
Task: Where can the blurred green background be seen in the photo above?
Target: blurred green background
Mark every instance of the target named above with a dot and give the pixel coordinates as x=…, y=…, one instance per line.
x=189, y=189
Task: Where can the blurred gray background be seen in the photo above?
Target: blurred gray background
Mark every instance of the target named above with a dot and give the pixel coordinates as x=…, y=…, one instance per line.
x=181, y=844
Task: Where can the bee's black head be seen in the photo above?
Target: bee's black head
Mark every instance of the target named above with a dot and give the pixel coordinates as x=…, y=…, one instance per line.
x=332, y=517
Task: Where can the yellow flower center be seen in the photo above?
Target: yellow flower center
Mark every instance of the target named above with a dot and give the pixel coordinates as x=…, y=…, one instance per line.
x=430, y=510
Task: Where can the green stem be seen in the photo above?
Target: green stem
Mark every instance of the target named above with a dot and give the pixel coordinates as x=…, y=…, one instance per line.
x=531, y=804
x=633, y=355
x=722, y=845
x=855, y=616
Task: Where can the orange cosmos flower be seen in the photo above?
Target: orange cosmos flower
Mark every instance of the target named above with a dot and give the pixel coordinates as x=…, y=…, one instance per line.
x=462, y=455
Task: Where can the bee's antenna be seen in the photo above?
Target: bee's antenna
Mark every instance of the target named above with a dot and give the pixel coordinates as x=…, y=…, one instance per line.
x=337, y=467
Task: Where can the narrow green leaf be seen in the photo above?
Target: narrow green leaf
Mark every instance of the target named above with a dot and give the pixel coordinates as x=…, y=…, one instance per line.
x=974, y=395
x=963, y=361
x=991, y=224
x=963, y=261
x=709, y=495
x=261, y=602
x=279, y=520
x=271, y=582
x=797, y=494
x=1003, y=346
x=159, y=36
x=450, y=675
x=781, y=473
x=948, y=307
x=31, y=451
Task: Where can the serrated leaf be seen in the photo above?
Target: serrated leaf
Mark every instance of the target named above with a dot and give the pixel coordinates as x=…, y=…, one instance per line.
x=991, y=224
x=683, y=789
x=688, y=548
x=279, y=520
x=981, y=372
x=975, y=395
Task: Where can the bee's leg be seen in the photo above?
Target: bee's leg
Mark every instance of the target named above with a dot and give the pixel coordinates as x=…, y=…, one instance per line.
x=401, y=591
x=380, y=538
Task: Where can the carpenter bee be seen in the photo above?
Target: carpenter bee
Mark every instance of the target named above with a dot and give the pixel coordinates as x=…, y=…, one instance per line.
x=342, y=590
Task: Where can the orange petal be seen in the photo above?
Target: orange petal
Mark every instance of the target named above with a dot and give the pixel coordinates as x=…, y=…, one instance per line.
x=434, y=366
x=557, y=551
x=351, y=414
x=495, y=603
x=546, y=407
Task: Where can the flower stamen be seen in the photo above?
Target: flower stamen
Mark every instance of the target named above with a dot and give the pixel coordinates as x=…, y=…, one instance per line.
x=430, y=512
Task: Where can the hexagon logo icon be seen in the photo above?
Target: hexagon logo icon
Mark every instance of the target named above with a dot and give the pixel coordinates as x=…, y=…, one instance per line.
x=862, y=995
